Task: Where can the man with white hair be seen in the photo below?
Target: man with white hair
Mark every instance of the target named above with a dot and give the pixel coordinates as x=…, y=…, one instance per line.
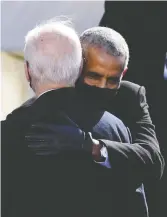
x=41, y=46
x=41, y=174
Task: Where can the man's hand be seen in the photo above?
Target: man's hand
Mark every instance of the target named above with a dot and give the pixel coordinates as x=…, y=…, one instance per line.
x=95, y=148
x=51, y=139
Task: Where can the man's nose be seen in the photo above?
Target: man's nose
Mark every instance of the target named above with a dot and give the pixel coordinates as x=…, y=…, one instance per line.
x=102, y=84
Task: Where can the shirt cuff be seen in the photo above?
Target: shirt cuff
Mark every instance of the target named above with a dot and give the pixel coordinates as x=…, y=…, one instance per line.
x=104, y=153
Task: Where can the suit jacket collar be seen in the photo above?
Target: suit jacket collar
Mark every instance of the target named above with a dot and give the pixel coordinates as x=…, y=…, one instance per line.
x=56, y=99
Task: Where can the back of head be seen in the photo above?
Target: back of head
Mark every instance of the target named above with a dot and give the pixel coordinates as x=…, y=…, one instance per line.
x=53, y=54
x=108, y=39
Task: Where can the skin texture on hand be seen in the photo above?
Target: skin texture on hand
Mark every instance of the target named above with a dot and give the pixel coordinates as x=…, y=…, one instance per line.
x=95, y=146
x=96, y=153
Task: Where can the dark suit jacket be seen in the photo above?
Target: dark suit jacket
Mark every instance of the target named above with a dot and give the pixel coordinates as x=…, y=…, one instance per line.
x=130, y=105
x=142, y=161
x=131, y=164
x=35, y=184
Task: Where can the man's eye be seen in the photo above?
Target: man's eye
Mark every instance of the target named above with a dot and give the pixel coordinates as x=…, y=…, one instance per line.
x=113, y=81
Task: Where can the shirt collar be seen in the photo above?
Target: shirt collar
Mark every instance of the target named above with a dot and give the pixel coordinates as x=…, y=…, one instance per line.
x=44, y=93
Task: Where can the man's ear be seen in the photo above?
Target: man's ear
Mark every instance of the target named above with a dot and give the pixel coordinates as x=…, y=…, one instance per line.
x=124, y=72
x=27, y=71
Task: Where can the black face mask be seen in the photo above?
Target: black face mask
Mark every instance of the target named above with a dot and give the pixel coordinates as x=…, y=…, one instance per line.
x=95, y=96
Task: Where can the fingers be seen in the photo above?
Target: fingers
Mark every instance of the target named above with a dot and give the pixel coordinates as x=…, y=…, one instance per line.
x=87, y=145
x=89, y=136
x=94, y=141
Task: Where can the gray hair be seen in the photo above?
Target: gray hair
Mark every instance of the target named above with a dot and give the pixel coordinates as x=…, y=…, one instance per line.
x=108, y=39
x=54, y=54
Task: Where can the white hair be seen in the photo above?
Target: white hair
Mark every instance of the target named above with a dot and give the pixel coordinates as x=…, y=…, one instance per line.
x=108, y=39
x=54, y=54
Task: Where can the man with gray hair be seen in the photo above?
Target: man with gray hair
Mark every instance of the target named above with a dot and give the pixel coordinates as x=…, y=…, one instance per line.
x=106, y=56
x=41, y=173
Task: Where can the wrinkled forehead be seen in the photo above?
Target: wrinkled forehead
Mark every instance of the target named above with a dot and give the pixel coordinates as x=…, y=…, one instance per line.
x=98, y=58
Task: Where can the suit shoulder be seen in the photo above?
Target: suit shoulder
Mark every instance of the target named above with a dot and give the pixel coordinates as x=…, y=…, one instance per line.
x=19, y=113
x=109, y=120
x=129, y=87
x=129, y=93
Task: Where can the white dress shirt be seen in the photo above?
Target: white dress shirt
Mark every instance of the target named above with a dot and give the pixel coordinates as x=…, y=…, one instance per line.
x=104, y=153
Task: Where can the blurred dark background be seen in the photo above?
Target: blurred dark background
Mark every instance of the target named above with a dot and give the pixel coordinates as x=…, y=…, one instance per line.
x=144, y=26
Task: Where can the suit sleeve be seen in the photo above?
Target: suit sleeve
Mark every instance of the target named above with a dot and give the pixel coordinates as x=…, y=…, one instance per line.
x=141, y=160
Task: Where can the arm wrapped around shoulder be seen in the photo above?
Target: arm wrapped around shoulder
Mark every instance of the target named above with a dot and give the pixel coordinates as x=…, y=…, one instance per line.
x=142, y=160
x=146, y=136
x=51, y=139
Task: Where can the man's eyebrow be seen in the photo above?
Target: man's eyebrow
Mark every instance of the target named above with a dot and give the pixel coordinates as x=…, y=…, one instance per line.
x=94, y=73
